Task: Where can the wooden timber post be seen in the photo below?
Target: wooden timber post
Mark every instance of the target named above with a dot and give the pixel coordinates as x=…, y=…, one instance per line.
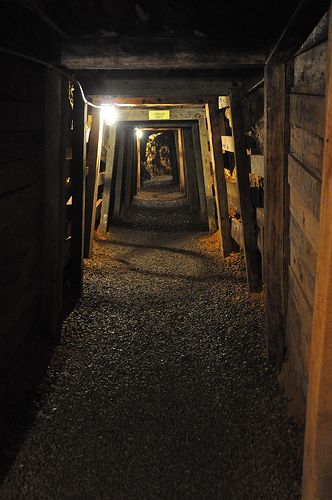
x=199, y=169
x=219, y=179
x=317, y=468
x=173, y=156
x=105, y=207
x=242, y=161
x=119, y=174
x=78, y=191
x=93, y=164
x=56, y=105
x=210, y=204
x=275, y=173
x=128, y=173
x=182, y=177
x=189, y=157
x=139, y=166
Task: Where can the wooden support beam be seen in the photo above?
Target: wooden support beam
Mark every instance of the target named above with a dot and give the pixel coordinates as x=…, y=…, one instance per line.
x=190, y=164
x=139, y=159
x=199, y=169
x=275, y=172
x=56, y=109
x=173, y=157
x=182, y=178
x=219, y=179
x=93, y=164
x=78, y=180
x=109, y=166
x=112, y=53
x=165, y=90
x=242, y=161
x=119, y=174
x=317, y=477
x=128, y=173
x=206, y=161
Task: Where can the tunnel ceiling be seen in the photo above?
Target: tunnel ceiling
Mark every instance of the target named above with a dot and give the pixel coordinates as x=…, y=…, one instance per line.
x=238, y=24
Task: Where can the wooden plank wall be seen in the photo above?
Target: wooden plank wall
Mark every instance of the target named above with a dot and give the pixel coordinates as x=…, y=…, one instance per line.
x=21, y=190
x=305, y=160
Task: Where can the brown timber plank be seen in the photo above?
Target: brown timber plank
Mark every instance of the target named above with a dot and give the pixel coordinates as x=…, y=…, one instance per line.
x=310, y=71
x=308, y=112
x=190, y=165
x=210, y=204
x=246, y=208
x=275, y=172
x=306, y=186
x=308, y=149
x=199, y=169
x=78, y=181
x=105, y=209
x=93, y=164
x=317, y=477
x=119, y=174
x=219, y=180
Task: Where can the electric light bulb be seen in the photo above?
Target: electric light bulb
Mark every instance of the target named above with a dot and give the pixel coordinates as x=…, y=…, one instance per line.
x=108, y=114
x=139, y=133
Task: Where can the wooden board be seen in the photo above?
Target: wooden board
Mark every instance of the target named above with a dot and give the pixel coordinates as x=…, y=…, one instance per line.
x=308, y=112
x=306, y=186
x=317, y=477
x=304, y=276
x=119, y=175
x=309, y=255
x=78, y=181
x=210, y=204
x=109, y=166
x=246, y=208
x=310, y=71
x=93, y=164
x=305, y=219
x=199, y=169
x=275, y=173
x=219, y=178
x=308, y=149
x=190, y=165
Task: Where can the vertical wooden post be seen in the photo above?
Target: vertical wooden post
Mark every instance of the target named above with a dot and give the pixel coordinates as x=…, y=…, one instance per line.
x=210, y=204
x=93, y=163
x=317, y=469
x=199, y=169
x=105, y=208
x=173, y=157
x=275, y=172
x=182, y=178
x=78, y=191
x=139, y=159
x=119, y=175
x=128, y=174
x=246, y=207
x=219, y=179
x=56, y=105
x=189, y=157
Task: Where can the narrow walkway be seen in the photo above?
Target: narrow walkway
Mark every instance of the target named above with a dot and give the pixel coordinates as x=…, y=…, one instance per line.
x=160, y=388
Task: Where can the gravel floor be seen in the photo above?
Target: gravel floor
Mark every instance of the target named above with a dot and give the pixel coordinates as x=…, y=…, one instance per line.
x=160, y=388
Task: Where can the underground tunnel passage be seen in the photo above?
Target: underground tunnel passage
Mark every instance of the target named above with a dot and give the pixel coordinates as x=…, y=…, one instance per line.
x=165, y=251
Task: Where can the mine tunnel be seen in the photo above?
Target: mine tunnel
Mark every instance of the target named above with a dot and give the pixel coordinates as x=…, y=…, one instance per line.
x=165, y=250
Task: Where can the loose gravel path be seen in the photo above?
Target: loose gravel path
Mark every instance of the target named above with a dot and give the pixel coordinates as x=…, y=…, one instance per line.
x=160, y=388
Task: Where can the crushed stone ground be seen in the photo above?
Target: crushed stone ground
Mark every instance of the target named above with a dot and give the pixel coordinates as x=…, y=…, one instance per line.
x=160, y=388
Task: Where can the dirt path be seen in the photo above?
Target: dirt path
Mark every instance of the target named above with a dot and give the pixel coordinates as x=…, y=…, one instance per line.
x=160, y=388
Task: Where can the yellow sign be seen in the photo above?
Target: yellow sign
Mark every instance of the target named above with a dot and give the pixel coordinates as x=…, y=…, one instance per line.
x=160, y=115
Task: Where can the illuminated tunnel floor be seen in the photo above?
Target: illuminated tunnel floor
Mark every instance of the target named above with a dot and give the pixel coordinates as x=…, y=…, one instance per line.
x=160, y=388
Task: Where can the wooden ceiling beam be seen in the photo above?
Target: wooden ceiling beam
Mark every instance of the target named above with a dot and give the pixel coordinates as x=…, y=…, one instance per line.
x=135, y=53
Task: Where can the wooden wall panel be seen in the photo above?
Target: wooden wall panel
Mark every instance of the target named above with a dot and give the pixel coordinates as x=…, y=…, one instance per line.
x=305, y=163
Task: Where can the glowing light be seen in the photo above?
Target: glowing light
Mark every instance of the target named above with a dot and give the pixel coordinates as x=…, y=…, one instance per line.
x=109, y=114
x=139, y=133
